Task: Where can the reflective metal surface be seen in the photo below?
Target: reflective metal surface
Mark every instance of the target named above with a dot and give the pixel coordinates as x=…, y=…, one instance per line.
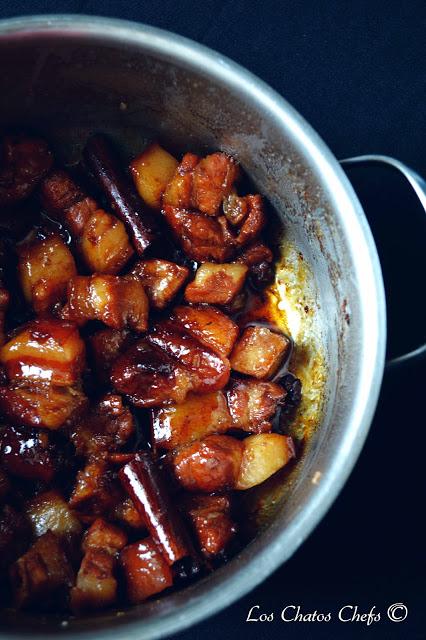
x=69, y=75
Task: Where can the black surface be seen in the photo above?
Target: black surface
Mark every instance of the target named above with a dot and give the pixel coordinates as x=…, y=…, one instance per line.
x=356, y=71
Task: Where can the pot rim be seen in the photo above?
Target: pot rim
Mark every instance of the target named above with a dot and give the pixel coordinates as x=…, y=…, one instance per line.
x=188, y=53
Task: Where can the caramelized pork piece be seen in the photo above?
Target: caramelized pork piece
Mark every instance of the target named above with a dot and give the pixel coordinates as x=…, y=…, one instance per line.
x=208, y=465
x=45, y=351
x=106, y=427
x=105, y=346
x=23, y=163
x=49, y=511
x=263, y=455
x=145, y=571
x=117, y=302
x=235, y=208
x=45, y=266
x=212, y=522
x=27, y=453
x=161, y=279
x=252, y=225
x=4, y=303
x=260, y=352
x=140, y=223
x=95, y=491
x=41, y=405
x=208, y=371
x=209, y=326
x=15, y=534
x=258, y=257
x=216, y=283
x=43, y=575
x=197, y=417
x=143, y=480
x=202, y=184
x=101, y=238
x=202, y=238
x=96, y=584
x=151, y=171
x=126, y=514
x=253, y=404
x=149, y=377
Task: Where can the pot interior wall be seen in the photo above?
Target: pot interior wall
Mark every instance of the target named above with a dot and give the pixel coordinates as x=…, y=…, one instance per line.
x=66, y=87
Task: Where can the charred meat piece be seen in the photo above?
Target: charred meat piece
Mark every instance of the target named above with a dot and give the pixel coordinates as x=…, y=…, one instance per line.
x=260, y=352
x=146, y=573
x=253, y=403
x=145, y=484
x=43, y=575
x=101, y=238
x=45, y=351
x=45, y=266
x=149, y=377
x=95, y=491
x=263, y=455
x=23, y=163
x=117, y=302
x=96, y=585
x=208, y=371
x=41, y=405
x=209, y=326
x=49, y=511
x=202, y=184
x=140, y=223
x=161, y=279
x=104, y=347
x=105, y=428
x=15, y=534
x=152, y=171
x=216, y=283
x=202, y=238
x=27, y=453
x=196, y=417
x=212, y=522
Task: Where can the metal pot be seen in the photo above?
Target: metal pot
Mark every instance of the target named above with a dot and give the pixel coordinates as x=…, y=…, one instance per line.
x=67, y=75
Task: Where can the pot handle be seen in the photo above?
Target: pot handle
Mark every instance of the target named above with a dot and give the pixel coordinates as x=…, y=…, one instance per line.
x=419, y=187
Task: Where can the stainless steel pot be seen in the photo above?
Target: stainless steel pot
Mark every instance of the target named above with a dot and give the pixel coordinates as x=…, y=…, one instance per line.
x=69, y=74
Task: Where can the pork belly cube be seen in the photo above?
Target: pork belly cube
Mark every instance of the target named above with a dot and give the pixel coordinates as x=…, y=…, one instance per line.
x=208, y=325
x=213, y=179
x=208, y=371
x=95, y=491
x=24, y=162
x=260, y=352
x=208, y=465
x=115, y=301
x=27, y=453
x=104, y=535
x=235, y=208
x=45, y=351
x=42, y=575
x=104, y=243
x=126, y=514
x=253, y=404
x=197, y=417
x=41, y=405
x=149, y=377
x=15, y=534
x=202, y=238
x=49, y=511
x=263, y=455
x=252, y=225
x=178, y=192
x=106, y=427
x=146, y=573
x=45, y=266
x=151, y=171
x=212, y=522
x=161, y=280
x=59, y=194
x=104, y=348
x=96, y=585
x=216, y=283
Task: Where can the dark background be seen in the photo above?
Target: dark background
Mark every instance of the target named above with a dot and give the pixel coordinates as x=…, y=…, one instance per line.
x=356, y=71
